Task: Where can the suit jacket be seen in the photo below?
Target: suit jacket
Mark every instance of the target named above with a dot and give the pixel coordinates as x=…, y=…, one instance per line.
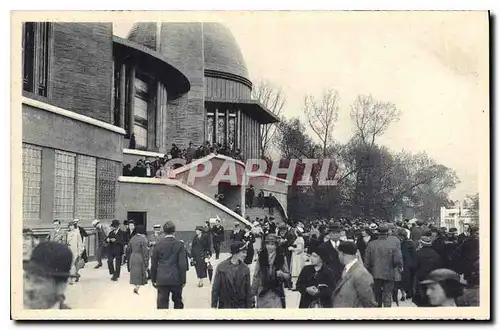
x=116, y=247
x=383, y=256
x=355, y=289
x=332, y=261
x=169, y=262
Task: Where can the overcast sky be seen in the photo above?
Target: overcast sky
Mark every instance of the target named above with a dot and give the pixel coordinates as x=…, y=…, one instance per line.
x=433, y=66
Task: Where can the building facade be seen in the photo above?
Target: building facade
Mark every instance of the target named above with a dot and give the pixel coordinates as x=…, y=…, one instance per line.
x=87, y=93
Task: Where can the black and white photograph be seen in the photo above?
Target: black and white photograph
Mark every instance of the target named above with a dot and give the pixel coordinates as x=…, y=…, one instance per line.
x=250, y=165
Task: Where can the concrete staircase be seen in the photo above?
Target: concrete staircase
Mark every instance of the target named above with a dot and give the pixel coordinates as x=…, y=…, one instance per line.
x=259, y=212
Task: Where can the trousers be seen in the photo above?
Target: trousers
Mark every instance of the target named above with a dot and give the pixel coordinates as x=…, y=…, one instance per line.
x=383, y=292
x=99, y=253
x=115, y=271
x=163, y=296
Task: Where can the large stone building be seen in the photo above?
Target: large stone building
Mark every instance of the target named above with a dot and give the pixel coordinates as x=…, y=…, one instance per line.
x=86, y=91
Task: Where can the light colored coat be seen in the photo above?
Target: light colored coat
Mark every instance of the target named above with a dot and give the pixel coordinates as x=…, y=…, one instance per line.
x=355, y=289
x=75, y=244
x=298, y=257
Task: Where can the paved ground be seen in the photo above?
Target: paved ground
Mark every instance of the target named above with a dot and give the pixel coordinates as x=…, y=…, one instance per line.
x=96, y=291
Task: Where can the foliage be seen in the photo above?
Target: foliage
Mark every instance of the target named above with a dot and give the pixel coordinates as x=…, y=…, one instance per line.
x=273, y=100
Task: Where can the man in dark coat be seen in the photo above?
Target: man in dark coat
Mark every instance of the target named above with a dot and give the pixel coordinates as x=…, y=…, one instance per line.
x=330, y=247
x=408, y=250
x=467, y=254
x=217, y=237
x=250, y=195
x=231, y=286
x=427, y=260
x=46, y=274
x=116, y=242
x=463, y=236
x=382, y=257
x=168, y=268
x=237, y=234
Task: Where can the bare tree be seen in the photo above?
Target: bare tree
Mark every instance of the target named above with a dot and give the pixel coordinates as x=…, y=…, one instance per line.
x=273, y=99
x=322, y=116
x=372, y=118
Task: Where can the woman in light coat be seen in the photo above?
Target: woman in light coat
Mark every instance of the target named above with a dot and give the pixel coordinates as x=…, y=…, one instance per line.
x=298, y=259
x=271, y=273
x=75, y=244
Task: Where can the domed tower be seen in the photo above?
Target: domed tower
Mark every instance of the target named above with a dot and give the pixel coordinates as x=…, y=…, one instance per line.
x=218, y=108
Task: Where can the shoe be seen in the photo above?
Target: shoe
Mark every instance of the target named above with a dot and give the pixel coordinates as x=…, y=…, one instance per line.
x=136, y=291
x=114, y=279
x=97, y=266
x=77, y=279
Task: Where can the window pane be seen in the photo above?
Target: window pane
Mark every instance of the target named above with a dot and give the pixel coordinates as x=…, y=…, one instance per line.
x=141, y=136
x=43, y=57
x=32, y=168
x=210, y=128
x=107, y=176
x=28, y=56
x=141, y=86
x=232, y=133
x=64, y=186
x=140, y=108
x=116, y=92
x=86, y=188
x=221, y=129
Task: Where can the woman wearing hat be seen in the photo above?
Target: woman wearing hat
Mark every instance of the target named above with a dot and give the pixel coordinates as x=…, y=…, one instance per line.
x=75, y=244
x=298, y=259
x=427, y=260
x=443, y=287
x=137, y=249
x=271, y=272
x=249, y=238
x=316, y=282
x=200, y=250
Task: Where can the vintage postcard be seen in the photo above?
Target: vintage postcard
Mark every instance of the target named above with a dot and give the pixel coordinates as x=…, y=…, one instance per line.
x=250, y=165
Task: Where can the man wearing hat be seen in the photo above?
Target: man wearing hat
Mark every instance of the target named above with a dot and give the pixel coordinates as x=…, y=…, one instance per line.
x=57, y=234
x=83, y=235
x=231, y=286
x=217, y=236
x=155, y=236
x=427, y=260
x=383, y=258
x=237, y=234
x=168, y=268
x=355, y=288
x=116, y=242
x=331, y=249
x=46, y=276
x=102, y=234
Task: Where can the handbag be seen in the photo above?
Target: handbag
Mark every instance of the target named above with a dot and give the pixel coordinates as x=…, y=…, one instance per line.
x=79, y=263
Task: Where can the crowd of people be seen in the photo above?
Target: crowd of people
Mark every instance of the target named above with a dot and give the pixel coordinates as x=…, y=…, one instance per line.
x=331, y=264
x=158, y=166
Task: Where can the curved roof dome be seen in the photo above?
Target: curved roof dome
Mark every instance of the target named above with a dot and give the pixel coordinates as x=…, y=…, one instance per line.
x=220, y=49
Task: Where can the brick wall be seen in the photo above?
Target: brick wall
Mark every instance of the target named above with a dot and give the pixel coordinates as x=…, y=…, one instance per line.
x=182, y=45
x=81, y=68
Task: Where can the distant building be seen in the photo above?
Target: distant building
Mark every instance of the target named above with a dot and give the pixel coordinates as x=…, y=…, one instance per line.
x=455, y=217
x=86, y=92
